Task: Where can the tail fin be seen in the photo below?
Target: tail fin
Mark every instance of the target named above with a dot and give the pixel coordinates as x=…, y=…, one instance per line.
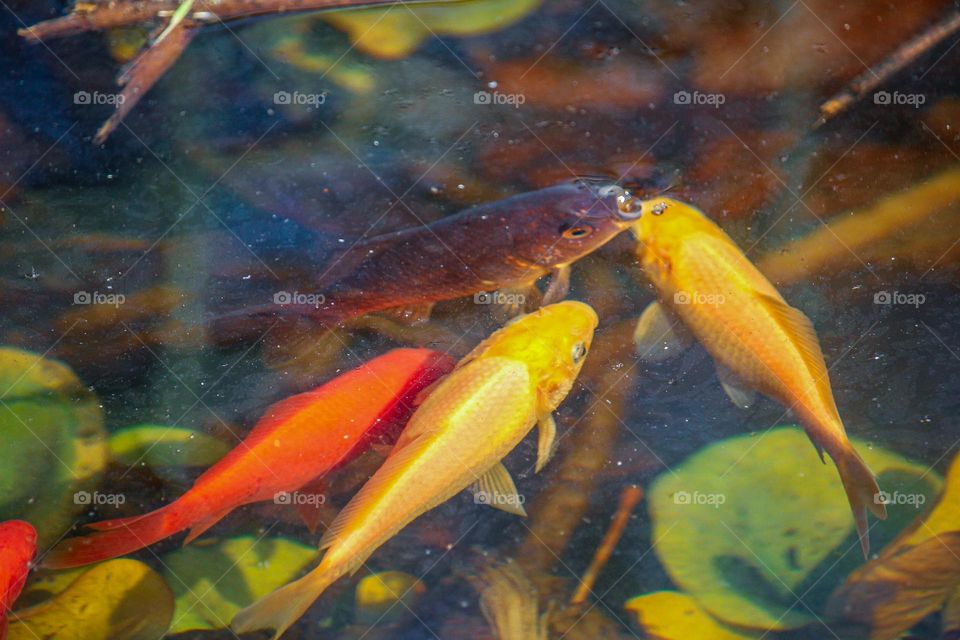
x=118, y=537
x=863, y=493
x=280, y=609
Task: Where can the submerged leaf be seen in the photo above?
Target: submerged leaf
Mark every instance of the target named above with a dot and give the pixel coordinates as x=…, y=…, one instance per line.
x=212, y=582
x=671, y=615
x=160, y=446
x=745, y=524
x=913, y=576
x=398, y=30
x=53, y=442
x=890, y=594
x=116, y=600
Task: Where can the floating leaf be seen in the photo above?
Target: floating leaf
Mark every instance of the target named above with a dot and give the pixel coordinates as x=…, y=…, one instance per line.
x=744, y=524
x=671, y=615
x=116, y=600
x=890, y=594
x=160, y=446
x=397, y=31
x=212, y=582
x=53, y=442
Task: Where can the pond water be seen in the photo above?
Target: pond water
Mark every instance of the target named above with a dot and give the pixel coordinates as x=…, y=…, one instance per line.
x=274, y=145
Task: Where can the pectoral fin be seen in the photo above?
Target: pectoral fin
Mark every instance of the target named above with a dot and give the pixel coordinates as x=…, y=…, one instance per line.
x=496, y=489
x=559, y=285
x=738, y=392
x=659, y=335
x=546, y=441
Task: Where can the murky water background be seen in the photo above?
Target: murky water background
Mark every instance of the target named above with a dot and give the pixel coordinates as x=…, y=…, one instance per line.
x=213, y=191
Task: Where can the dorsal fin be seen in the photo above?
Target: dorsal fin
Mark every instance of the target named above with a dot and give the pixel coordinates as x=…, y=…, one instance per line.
x=800, y=329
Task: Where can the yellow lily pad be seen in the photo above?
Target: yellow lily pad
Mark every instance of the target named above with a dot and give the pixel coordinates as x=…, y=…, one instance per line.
x=744, y=525
x=211, y=582
x=398, y=30
x=671, y=615
x=160, y=446
x=115, y=600
x=54, y=444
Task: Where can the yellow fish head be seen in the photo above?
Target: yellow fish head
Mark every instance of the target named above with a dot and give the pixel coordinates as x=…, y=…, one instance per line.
x=663, y=220
x=552, y=341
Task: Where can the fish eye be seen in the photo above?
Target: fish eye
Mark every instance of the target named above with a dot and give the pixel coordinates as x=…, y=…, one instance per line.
x=579, y=352
x=577, y=231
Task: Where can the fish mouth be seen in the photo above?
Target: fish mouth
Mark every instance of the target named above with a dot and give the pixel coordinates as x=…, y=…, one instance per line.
x=627, y=207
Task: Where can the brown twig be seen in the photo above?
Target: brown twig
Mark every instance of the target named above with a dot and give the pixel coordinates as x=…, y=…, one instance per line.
x=895, y=62
x=97, y=16
x=153, y=62
x=629, y=499
x=143, y=72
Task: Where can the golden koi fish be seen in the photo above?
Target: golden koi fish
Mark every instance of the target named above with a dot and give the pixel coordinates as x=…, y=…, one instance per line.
x=758, y=341
x=456, y=438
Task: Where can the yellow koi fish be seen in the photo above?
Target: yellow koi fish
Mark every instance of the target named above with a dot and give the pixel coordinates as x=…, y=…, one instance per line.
x=758, y=342
x=456, y=439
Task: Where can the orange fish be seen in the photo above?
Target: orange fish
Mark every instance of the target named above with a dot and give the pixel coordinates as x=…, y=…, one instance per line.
x=18, y=544
x=758, y=342
x=297, y=441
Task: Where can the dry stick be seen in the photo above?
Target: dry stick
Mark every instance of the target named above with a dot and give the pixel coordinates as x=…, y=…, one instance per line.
x=143, y=72
x=874, y=77
x=629, y=499
x=183, y=19
x=121, y=13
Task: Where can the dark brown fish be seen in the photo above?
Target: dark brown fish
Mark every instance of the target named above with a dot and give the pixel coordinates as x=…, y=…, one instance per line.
x=507, y=244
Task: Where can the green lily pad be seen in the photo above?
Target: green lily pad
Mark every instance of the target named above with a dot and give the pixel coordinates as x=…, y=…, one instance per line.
x=53, y=442
x=750, y=525
x=397, y=31
x=116, y=600
x=211, y=582
x=160, y=446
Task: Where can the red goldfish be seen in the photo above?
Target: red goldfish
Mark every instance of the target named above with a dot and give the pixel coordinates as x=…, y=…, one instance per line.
x=18, y=544
x=297, y=441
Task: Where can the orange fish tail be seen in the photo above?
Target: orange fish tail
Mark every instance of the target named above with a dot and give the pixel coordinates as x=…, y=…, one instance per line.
x=115, y=538
x=862, y=490
x=282, y=608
